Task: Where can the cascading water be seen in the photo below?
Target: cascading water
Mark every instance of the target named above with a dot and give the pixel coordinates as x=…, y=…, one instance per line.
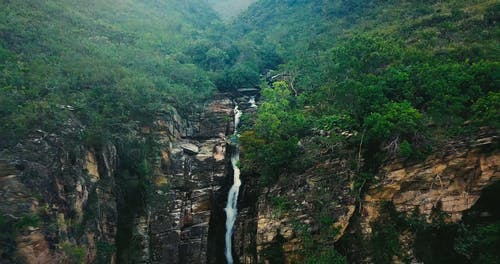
x=252, y=102
x=232, y=198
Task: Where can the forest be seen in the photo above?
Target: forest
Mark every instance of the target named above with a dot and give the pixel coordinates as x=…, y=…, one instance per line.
x=384, y=79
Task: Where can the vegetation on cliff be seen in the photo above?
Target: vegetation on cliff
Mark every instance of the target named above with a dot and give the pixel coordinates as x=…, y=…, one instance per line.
x=400, y=76
x=390, y=79
x=110, y=65
x=384, y=78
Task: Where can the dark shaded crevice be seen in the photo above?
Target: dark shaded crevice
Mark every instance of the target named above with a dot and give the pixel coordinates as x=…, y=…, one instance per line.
x=217, y=224
x=351, y=244
x=130, y=204
x=245, y=233
x=486, y=209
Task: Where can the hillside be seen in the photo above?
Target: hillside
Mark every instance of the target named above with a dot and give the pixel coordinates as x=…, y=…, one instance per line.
x=410, y=73
x=249, y=131
x=99, y=61
x=368, y=83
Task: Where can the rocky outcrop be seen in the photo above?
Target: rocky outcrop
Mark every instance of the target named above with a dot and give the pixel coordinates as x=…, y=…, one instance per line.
x=272, y=221
x=188, y=190
x=450, y=180
x=291, y=208
x=60, y=195
x=76, y=211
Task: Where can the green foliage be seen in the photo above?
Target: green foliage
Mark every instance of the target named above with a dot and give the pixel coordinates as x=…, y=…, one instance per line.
x=110, y=66
x=28, y=220
x=75, y=253
x=318, y=249
x=402, y=72
x=326, y=257
x=281, y=205
x=487, y=110
x=273, y=143
x=407, y=73
x=244, y=75
x=397, y=120
x=361, y=181
x=479, y=244
x=384, y=240
x=436, y=239
x=335, y=122
x=405, y=149
x=104, y=251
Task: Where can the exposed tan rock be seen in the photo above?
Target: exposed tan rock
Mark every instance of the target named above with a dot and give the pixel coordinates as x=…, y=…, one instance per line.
x=91, y=166
x=452, y=179
x=323, y=190
x=194, y=170
x=52, y=180
x=34, y=249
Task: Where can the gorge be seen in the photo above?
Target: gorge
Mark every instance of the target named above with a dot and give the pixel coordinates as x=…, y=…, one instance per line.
x=214, y=131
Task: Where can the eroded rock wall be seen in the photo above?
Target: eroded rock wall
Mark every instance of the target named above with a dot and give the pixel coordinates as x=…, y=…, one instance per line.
x=66, y=193
x=269, y=230
x=450, y=180
x=189, y=188
x=270, y=219
x=73, y=190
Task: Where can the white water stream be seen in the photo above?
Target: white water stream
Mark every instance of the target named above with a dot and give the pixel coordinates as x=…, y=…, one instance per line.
x=252, y=102
x=232, y=198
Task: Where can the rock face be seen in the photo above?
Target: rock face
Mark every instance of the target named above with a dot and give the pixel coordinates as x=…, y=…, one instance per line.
x=188, y=189
x=51, y=184
x=271, y=231
x=270, y=220
x=451, y=180
x=68, y=196
x=72, y=203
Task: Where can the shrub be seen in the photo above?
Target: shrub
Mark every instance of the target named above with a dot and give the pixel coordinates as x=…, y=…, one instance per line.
x=75, y=253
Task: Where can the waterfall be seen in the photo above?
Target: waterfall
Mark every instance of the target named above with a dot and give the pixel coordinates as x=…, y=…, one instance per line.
x=252, y=102
x=232, y=197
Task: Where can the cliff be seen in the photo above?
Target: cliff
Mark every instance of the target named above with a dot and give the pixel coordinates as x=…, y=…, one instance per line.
x=451, y=179
x=190, y=189
x=70, y=203
x=58, y=200
x=65, y=203
x=277, y=223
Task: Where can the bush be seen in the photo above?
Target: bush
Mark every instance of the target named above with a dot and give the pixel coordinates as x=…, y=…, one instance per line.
x=28, y=220
x=330, y=256
x=486, y=110
x=74, y=253
x=397, y=122
x=479, y=244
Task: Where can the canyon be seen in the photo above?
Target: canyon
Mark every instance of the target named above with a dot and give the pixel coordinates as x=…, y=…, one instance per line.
x=72, y=190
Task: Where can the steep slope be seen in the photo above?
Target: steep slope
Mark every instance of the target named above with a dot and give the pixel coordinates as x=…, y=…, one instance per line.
x=101, y=61
x=377, y=128
x=364, y=82
x=81, y=84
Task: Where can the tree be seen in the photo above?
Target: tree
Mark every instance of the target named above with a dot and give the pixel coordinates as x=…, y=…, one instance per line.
x=487, y=110
x=273, y=144
x=396, y=122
